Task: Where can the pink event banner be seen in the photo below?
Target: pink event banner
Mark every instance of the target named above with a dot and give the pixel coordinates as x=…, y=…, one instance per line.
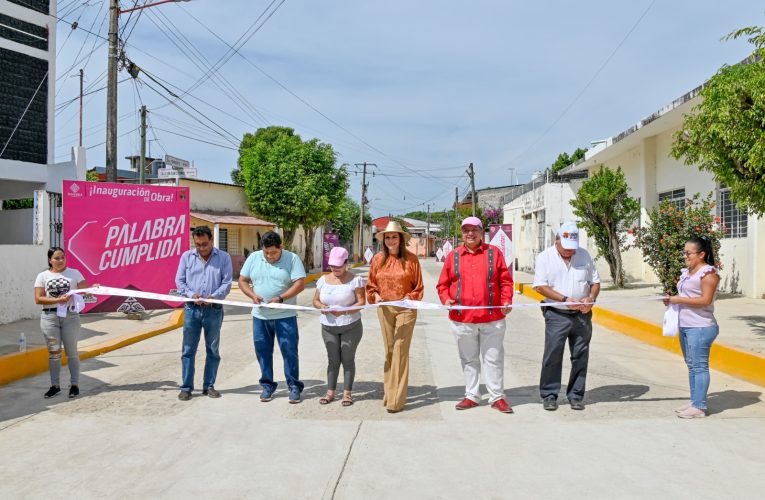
x=126, y=236
x=501, y=235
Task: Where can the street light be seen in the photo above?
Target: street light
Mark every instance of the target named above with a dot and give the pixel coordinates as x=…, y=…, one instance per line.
x=111, y=84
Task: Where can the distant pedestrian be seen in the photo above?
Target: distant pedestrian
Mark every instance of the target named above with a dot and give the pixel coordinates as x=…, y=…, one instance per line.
x=203, y=273
x=395, y=274
x=274, y=276
x=566, y=273
x=60, y=327
x=698, y=327
x=475, y=274
x=341, y=330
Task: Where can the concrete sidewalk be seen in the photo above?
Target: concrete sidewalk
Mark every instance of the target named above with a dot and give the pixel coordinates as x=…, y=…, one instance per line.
x=96, y=327
x=741, y=319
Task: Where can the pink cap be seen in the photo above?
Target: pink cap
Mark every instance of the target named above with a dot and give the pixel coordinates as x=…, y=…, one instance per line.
x=338, y=256
x=472, y=221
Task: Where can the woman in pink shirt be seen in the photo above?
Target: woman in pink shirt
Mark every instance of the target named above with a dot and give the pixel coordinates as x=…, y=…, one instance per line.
x=698, y=328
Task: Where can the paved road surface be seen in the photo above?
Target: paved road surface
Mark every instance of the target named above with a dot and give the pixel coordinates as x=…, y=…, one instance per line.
x=128, y=436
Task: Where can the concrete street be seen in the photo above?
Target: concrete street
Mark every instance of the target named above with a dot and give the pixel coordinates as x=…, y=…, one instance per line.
x=128, y=436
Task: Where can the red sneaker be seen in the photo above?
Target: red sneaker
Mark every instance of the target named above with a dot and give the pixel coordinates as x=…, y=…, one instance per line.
x=502, y=406
x=466, y=404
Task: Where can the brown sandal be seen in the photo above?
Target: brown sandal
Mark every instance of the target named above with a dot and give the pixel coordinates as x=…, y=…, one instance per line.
x=326, y=399
x=347, y=400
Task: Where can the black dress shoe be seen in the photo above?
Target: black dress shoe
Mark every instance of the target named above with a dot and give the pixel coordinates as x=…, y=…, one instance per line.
x=577, y=404
x=550, y=403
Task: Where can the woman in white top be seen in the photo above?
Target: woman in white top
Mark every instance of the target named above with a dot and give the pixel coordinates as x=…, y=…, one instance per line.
x=341, y=330
x=51, y=287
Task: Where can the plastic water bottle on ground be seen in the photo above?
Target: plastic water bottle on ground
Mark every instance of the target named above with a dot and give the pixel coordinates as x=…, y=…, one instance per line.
x=22, y=342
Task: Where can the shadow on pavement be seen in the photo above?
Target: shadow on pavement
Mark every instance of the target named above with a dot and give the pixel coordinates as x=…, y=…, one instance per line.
x=417, y=396
x=27, y=400
x=756, y=323
x=718, y=402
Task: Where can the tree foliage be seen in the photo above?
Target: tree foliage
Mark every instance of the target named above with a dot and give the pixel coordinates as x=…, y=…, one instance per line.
x=347, y=220
x=726, y=135
x=291, y=182
x=18, y=204
x=564, y=160
x=605, y=207
x=669, y=227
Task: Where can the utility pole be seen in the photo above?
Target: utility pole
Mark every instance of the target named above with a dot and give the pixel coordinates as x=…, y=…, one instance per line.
x=427, y=236
x=111, y=94
x=456, y=204
x=142, y=160
x=82, y=77
x=364, y=186
x=471, y=173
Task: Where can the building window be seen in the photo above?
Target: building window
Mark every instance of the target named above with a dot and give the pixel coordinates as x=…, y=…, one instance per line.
x=675, y=197
x=223, y=239
x=234, y=247
x=733, y=220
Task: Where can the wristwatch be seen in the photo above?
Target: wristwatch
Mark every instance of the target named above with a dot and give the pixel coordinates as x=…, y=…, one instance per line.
x=281, y=299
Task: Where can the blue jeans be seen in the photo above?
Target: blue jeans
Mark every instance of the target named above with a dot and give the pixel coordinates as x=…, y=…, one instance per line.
x=285, y=330
x=196, y=318
x=695, y=343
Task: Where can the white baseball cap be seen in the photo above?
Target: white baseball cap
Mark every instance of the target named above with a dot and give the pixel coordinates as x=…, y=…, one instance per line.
x=569, y=236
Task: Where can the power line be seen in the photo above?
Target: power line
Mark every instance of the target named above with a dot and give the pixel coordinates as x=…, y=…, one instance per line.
x=584, y=89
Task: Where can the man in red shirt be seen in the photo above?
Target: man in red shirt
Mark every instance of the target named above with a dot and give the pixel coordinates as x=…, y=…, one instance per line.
x=475, y=274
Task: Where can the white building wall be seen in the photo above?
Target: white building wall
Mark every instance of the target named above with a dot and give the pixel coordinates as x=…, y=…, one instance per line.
x=649, y=170
x=536, y=217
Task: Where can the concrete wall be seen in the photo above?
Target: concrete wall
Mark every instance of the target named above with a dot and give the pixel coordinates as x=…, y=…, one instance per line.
x=536, y=217
x=211, y=197
x=17, y=227
x=19, y=266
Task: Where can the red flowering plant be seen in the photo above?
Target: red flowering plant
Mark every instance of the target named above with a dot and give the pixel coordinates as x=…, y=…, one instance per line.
x=669, y=228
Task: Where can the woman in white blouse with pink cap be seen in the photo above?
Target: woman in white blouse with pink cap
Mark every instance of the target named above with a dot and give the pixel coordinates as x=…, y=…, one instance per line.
x=341, y=330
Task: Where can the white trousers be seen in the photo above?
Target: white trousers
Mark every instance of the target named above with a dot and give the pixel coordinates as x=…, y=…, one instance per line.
x=482, y=343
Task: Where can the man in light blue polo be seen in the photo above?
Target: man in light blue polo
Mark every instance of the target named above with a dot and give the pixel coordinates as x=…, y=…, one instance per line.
x=273, y=275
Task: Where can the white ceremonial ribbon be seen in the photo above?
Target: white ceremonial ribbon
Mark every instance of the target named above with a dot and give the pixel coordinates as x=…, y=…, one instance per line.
x=75, y=304
x=406, y=303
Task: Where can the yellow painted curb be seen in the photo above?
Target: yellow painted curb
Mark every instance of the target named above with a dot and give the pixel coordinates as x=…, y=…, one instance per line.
x=20, y=365
x=730, y=360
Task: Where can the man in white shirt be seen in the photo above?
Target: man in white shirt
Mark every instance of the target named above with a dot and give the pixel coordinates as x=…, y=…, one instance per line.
x=566, y=273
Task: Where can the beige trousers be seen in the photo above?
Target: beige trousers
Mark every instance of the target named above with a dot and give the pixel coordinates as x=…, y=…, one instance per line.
x=397, y=325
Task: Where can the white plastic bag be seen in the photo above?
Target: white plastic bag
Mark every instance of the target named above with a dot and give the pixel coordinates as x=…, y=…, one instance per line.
x=671, y=321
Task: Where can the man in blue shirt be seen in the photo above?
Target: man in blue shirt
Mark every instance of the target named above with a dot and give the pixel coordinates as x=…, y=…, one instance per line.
x=274, y=276
x=203, y=273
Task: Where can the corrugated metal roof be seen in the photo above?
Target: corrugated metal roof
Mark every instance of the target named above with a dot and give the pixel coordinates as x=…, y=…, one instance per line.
x=232, y=218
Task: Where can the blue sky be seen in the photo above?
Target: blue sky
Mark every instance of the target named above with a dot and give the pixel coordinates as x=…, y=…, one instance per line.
x=421, y=88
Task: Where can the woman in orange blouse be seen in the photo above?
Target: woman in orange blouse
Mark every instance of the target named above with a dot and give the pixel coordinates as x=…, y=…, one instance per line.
x=395, y=274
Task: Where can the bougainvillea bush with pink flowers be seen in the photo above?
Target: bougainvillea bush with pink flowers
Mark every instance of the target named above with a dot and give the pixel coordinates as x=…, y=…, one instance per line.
x=669, y=228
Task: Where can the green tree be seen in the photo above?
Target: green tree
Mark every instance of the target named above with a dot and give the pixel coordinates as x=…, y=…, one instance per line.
x=91, y=176
x=18, y=204
x=347, y=220
x=291, y=182
x=669, y=227
x=605, y=207
x=564, y=160
x=726, y=135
